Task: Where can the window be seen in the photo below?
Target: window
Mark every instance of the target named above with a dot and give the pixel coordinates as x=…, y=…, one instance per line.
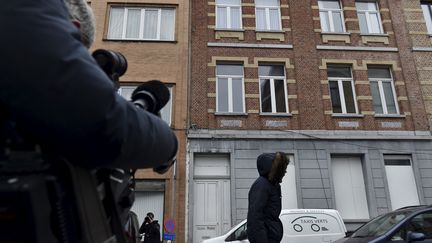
x=331, y=16
x=273, y=88
x=229, y=88
x=239, y=234
x=421, y=223
x=126, y=92
x=342, y=91
x=382, y=89
x=427, y=12
x=369, y=17
x=130, y=23
x=228, y=14
x=267, y=14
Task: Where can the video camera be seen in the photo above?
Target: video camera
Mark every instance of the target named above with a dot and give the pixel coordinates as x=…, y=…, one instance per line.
x=44, y=198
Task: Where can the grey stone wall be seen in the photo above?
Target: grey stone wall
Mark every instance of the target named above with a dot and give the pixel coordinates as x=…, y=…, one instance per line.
x=312, y=160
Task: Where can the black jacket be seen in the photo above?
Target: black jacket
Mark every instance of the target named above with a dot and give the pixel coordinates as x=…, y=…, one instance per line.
x=263, y=223
x=151, y=232
x=56, y=92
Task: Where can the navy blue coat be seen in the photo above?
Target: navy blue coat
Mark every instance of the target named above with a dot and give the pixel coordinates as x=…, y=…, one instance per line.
x=265, y=204
x=56, y=92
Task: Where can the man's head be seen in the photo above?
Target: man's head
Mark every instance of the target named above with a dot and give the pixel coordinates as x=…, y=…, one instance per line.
x=82, y=16
x=273, y=166
x=150, y=215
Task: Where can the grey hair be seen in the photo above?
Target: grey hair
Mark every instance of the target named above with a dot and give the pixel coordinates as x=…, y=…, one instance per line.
x=79, y=10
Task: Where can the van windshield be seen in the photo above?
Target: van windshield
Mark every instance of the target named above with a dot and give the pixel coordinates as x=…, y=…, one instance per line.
x=380, y=225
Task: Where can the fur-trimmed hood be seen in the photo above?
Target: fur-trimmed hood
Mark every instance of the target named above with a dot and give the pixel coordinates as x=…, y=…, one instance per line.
x=272, y=166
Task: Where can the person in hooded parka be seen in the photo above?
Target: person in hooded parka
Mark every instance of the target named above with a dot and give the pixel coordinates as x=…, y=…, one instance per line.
x=265, y=199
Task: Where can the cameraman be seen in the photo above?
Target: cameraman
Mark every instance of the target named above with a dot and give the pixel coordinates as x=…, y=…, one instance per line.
x=151, y=229
x=57, y=95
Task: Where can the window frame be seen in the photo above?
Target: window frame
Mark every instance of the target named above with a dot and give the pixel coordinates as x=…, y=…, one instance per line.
x=429, y=7
x=267, y=17
x=272, y=92
x=367, y=17
x=228, y=17
x=382, y=94
x=340, y=81
x=141, y=23
x=330, y=17
x=230, y=90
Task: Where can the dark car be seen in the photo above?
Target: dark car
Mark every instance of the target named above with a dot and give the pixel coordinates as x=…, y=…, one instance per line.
x=409, y=224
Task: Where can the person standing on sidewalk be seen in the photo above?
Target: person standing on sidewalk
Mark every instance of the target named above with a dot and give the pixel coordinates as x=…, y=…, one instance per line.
x=151, y=229
x=265, y=199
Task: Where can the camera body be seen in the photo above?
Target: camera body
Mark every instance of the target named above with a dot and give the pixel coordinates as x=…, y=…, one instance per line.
x=147, y=220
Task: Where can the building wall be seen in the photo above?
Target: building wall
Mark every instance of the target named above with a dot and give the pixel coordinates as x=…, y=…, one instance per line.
x=312, y=159
x=311, y=132
x=305, y=52
x=421, y=47
x=166, y=61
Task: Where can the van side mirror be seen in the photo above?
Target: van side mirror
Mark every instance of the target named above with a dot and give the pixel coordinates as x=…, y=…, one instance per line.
x=243, y=235
x=415, y=236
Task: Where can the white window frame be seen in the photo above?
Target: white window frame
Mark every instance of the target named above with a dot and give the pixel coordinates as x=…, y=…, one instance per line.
x=329, y=12
x=267, y=17
x=272, y=92
x=367, y=15
x=230, y=92
x=428, y=15
x=141, y=25
x=228, y=9
x=341, y=93
x=382, y=94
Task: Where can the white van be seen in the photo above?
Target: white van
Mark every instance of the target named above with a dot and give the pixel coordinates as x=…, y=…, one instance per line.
x=300, y=226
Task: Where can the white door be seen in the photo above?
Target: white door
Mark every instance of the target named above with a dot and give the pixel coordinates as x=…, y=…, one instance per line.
x=288, y=187
x=349, y=187
x=212, y=201
x=401, y=181
x=149, y=202
x=212, y=216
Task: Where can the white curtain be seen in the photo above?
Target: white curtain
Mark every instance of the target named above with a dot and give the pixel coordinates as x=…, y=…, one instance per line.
x=324, y=17
x=150, y=23
x=133, y=23
x=274, y=19
x=166, y=110
x=373, y=17
x=167, y=24
x=427, y=16
x=221, y=17
x=267, y=3
x=235, y=17
x=260, y=19
x=115, y=28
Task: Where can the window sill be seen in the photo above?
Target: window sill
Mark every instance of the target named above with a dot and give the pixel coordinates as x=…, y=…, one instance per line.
x=348, y=115
x=335, y=33
x=128, y=40
x=374, y=35
x=270, y=31
x=275, y=114
x=231, y=30
x=231, y=114
x=389, y=116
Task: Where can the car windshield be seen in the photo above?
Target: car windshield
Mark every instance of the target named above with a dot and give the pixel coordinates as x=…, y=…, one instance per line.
x=380, y=225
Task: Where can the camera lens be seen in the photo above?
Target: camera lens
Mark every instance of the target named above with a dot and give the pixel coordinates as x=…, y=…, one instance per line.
x=111, y=61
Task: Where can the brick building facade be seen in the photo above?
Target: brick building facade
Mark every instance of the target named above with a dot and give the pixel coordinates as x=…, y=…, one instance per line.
x=153, y=36
x=343, y=87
